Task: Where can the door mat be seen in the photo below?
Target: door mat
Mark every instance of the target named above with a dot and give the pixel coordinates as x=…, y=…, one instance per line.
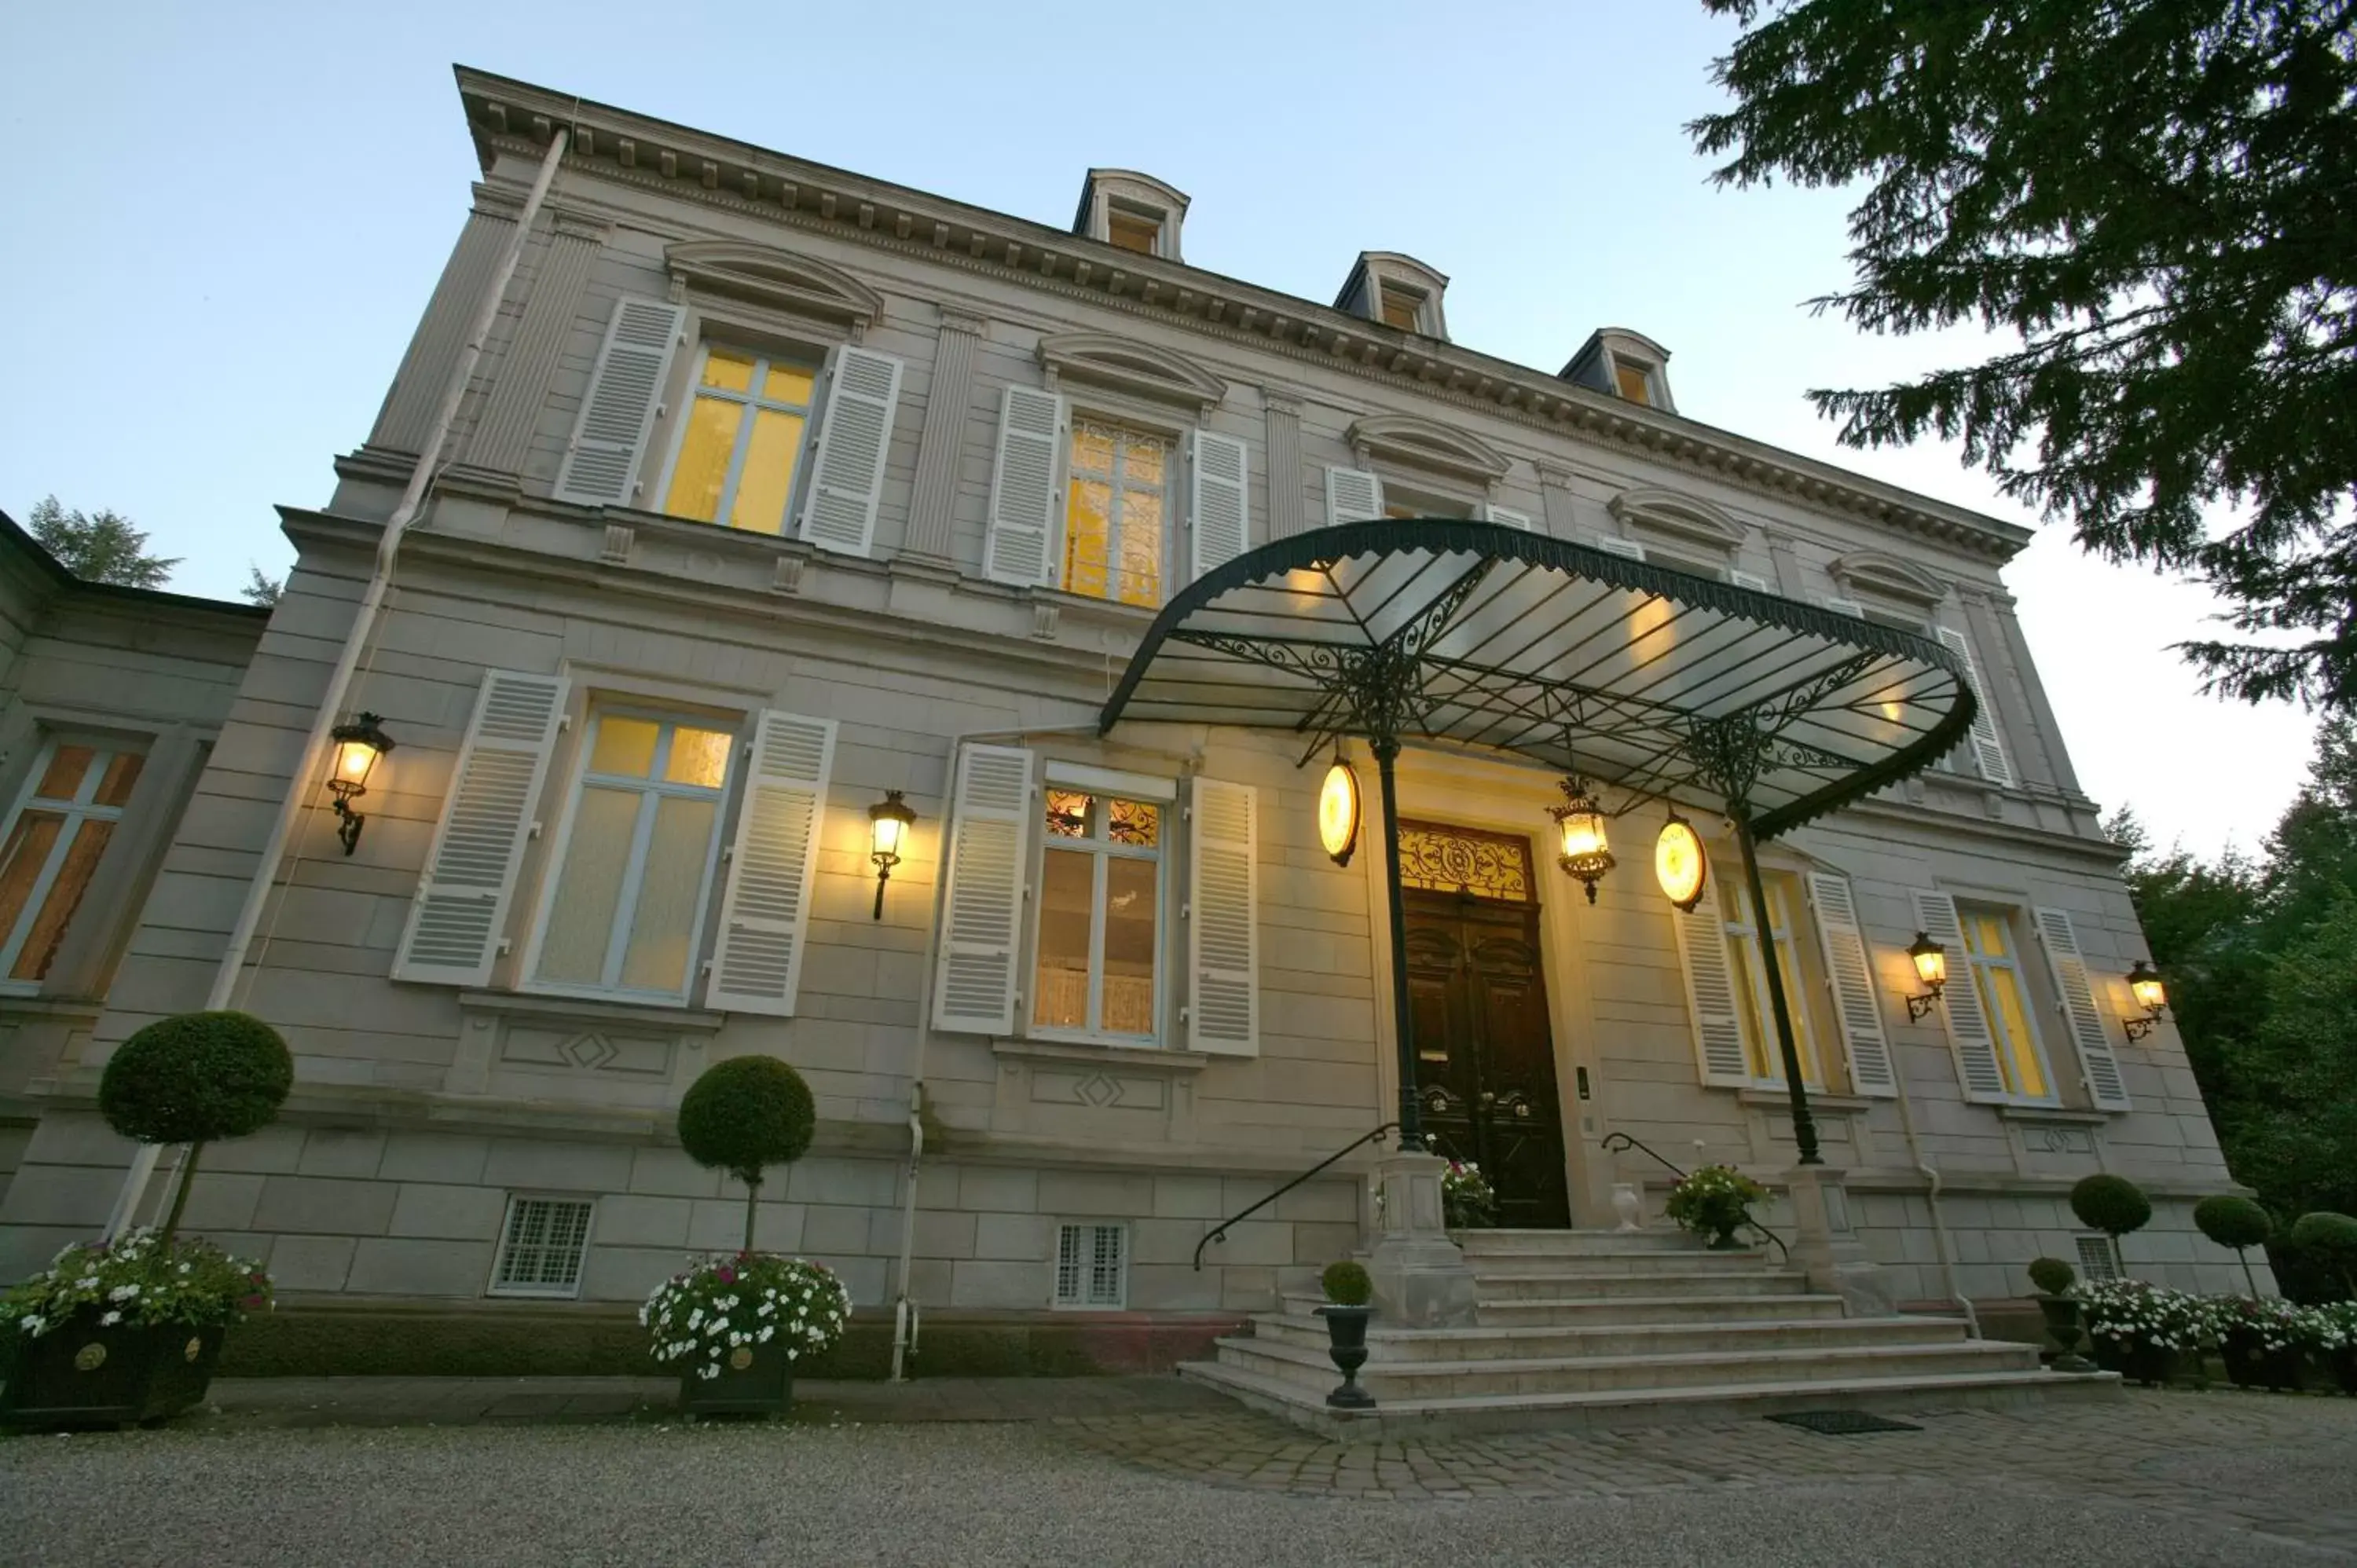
x=1842, y=1423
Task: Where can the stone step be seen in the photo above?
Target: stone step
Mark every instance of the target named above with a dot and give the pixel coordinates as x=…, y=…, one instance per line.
x=1573, y=1243
x=1614, y=1410
x=1572, y=1312
x=1556, y=1283
x=1389, y=1347
x=1313, y=1369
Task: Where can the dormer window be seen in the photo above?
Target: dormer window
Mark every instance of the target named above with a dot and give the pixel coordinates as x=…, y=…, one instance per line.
x=1633, y=379
x=1403, y=308
x=1129, y=229
x=1623, y=364
x=1398, y=291
x=1131, y=211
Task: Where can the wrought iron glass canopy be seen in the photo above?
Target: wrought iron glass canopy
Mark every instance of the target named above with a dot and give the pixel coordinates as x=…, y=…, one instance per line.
x=1717, y=698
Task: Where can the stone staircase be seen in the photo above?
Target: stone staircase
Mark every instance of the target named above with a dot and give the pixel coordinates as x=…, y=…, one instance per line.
x=1608, y=1328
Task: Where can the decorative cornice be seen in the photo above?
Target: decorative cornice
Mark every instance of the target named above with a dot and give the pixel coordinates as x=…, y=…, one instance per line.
x=1427, y=444
x=1141, y=368
x=689, y=165
x=1704, y=522
x=1876, y=572
x=952, y=319
x=780, y=279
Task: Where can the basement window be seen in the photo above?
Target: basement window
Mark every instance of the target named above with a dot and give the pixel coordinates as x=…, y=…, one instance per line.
x=542, y=1247
x=2099, y=1258
x=1091, y=1267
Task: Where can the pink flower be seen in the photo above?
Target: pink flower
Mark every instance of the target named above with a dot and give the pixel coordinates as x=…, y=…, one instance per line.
x=727, y=1275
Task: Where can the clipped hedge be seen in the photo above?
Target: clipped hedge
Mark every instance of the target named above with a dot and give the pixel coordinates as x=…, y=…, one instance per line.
x=2235, y=1222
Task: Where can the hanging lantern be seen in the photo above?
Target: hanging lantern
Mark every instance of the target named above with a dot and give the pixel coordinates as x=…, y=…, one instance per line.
x=1930, y=962
x=2144, y=985
x=1586, y=854
x=358, y=745
x=1338, y=811
x=1679, y=863
x=888, y=821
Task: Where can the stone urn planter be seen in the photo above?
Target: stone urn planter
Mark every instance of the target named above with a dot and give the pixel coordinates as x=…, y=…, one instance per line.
x=85, y=1373
x=2062, y=1314
x=1349, y=1291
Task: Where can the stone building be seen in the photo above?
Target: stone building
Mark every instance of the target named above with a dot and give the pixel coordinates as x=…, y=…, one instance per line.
x=774, y=488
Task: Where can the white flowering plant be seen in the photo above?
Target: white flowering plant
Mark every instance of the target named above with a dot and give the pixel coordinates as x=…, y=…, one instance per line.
x=2133, y=1313
x=1467, y=1200
x=137, y=1280
x=2272, y=1325
x=2332, y=1327
x=737, y=1300
x=1715, y=1198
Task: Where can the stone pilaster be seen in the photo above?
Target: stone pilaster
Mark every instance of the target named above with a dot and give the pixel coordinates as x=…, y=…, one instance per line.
x=407, y=417
x=1787, y=578
x=2024, y=742
x=2050, y=732
x=941, y=442
x=503, y=438
x=1556, y=501
x=1282, y=410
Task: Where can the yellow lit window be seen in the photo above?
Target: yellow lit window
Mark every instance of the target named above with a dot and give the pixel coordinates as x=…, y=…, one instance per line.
x=1753, y=1010
x=1136, y=231
x=52, y=846
x=1402, y=307
x=742, y=437
x=1100, y=909
x=1996, y=975
x=1634, y=381
x=1113, y=513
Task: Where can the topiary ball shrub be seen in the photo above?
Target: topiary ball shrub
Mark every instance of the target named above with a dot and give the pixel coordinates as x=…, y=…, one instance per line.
x=2329, y=1241
x=2052, y=1275
x=744, y=1114
x=2110, y=1204
x=1347, y=1283
x=2235, y=1222
x=196, y=1078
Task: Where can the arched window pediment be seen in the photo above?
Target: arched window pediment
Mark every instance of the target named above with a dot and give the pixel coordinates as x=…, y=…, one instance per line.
x=1101, y=359
x=1704, y=523
x=1872, y=572
x=781, y=280
x=1425, y=444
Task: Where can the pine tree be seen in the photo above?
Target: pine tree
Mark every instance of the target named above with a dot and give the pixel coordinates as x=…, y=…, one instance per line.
x=98, y=547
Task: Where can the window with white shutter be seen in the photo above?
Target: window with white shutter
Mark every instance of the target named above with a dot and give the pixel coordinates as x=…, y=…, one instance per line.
x=862, y=394
x=739, y=448
x=1711, y=1002
x=1353, y=495
x=1222, y=943
x=1117, y=508
x=765, y=904
x=1091, y=1267
x=542, y=1247
x=1751, y=580
x=1613, y=544
x=2076, y=997
x=1097, y=966
x=460, y=911
x=1220, y=516
x=602, y=462
x=1023, y=487
x=1842, y=607
x=1986, y=749
x=1754, y=1008
x=1984, y=1005
x=989, y=833
x=1508, y=516
x=1849, y=974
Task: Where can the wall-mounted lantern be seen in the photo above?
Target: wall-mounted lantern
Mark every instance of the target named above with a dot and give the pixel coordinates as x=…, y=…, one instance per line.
x=888, y=821
x=1586, y=854
x=1930, y=962
x=358, y=745
x=1680, y=864
x=2145, y=983
x=1338, y=811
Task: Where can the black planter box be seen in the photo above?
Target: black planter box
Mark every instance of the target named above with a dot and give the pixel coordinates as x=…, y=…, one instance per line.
x=2251, y=1365
x=755, y=1379
x=81, y=1374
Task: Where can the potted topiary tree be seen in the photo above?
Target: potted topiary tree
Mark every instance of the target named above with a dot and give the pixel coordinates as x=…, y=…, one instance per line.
x=129, y=1330
x=735, y=1323
x=2113, y=1204
x=2054, y=1278
x=2235, y=1222
x=1349, y=1290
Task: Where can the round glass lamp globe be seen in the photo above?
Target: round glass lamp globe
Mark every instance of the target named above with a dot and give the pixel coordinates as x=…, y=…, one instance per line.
x=1679, y=863
x=1338, y=814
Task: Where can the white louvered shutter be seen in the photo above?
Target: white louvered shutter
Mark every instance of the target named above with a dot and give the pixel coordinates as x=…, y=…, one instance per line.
x=1510, y=517
x=1353, y=495
x=1224, y=901
x=1220, y=512
x=2065, y=963
x=765, y=904
x=1023, y=487
x=1987, y=750
x=601, y=464
x=982, y=927
x=1613, y=544
x=1751, y=580
x=1850, y=972
x=462, y=903
x=1842, y=607
x=1710, y=992
x=863, y=393
x=1960, y=1002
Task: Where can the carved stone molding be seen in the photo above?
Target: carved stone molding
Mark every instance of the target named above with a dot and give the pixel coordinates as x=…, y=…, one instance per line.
x=779, y=279
x=1427, y=444
x=1690, y=517
x=1142, y=369
x=1872, y=572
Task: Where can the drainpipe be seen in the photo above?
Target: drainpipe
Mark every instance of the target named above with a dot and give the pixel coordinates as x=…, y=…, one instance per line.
x=1939, y=1221
x=904, y=1304
x=331, y=704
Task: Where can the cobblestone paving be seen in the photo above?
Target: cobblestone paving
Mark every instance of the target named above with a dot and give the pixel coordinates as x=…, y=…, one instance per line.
x=2282, y=1467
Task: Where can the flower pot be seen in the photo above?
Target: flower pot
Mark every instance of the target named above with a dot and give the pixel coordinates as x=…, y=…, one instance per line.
x=754, y=1379
x=1346, y=1342
x=2151, y=1365
x=2062, y=1314
x=82, y=1373
x=1725, y=1239
x=2251, y=1365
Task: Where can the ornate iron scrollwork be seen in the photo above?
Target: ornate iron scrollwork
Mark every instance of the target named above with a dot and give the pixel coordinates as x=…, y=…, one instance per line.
x=1464, y=860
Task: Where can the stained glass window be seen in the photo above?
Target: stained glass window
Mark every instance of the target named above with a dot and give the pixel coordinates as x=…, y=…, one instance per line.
x=1114, y=507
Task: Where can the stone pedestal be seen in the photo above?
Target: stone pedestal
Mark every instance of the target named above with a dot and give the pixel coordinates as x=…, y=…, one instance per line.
x=1825, y=1245
x=1422, y=1281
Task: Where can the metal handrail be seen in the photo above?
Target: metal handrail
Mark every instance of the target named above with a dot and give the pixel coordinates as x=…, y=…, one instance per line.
x=1219, y=1232
x=1616, y=1143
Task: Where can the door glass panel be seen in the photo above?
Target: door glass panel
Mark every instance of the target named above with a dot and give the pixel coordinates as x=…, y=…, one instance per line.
x=664, y=924
x=65, y=895
x=768, y=474
x=590, y=890
x=1067, y=892
x=1129, y=943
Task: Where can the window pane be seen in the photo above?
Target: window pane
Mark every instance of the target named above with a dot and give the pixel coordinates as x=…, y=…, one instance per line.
x=65, y=895
x=63, y=782
x=1759, y=1033
x=697, y=757
x=656, y=959
x=1986, y=934
x=733, y=372
x=1129, y=946
x=1805, y=1040
x=26, y=851
x=1067, y=893
x=787, y=384
x=1630, y=378
x=1092, y=449
x=1067, y=813
x=121, y=773
x=1142, y=459
x=589, y=888
x=769, y=473
x=1141, y=547
x=1135, y=822
x=625, y=746
x=1399, y=309
x=1088, y=537
x=2001, y=993
x=703, y=454
x=1133, y=232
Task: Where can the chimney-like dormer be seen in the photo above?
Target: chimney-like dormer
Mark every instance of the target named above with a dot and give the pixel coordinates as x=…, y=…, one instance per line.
x=1398, y=291
x=1132, y=211
x=1626, y=364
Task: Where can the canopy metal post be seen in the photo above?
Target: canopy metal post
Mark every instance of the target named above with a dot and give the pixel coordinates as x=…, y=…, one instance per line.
x=1804, y=1124
x=1411, y=1119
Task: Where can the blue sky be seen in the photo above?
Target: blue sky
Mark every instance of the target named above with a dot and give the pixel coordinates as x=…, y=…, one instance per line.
x=223, y=220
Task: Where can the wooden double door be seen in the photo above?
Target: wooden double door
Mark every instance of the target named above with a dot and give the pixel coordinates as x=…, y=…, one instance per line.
x=1485, y=1053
